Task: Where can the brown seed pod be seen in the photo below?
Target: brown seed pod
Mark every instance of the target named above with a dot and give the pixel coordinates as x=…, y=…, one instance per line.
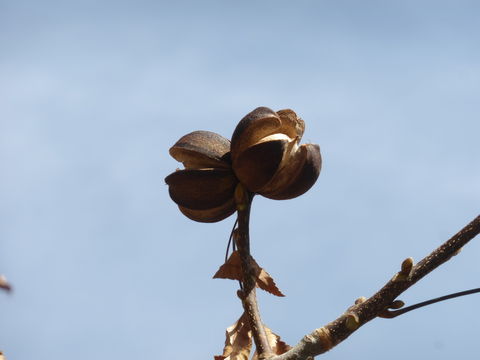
x=266, y=156
x=298, y=175
x=210, y=215
x=201, y=189
x=204, y=189
x=202, y=149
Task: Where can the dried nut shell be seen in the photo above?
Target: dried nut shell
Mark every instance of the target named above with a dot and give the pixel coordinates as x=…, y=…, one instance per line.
x=256, y=165
x=210, y=215
x=263, y=122
x=292, y=125
x=266, y=157
x=256, y=125
x=201, y=189
x=202, y=149
x=297, y=176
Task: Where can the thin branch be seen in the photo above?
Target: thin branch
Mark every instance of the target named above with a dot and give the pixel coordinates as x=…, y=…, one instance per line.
x=364, y=310
x=230, y=240
x=390, y=314
x=247, y=293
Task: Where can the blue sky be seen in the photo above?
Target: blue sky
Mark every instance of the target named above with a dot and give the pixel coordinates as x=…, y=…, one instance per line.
x=92, y=95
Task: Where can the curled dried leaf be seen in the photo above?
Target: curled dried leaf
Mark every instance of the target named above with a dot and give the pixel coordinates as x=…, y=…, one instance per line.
x=238, y=342
x=278, y=346
x=232, y=270
x=266, y=282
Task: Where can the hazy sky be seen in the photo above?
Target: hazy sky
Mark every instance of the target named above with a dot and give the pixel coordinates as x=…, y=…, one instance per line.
x=93, y=94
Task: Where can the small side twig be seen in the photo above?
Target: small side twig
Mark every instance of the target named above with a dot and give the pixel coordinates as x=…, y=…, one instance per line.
x=364, y=310
x=247, y=292
x=390, y=314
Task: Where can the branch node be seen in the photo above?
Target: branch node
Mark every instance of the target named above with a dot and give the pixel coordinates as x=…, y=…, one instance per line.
x=352, y=321
x=241, y=294
x=397, y=304
x=387, y=313
x=323, y=336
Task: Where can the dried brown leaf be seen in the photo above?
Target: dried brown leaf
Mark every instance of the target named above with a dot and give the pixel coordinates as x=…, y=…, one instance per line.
x=276, y=344
x=266, y=282
x=4, y=285
x=238, y=342
x=232, y=269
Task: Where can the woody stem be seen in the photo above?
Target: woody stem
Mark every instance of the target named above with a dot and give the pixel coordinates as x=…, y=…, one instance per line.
x=248, y=294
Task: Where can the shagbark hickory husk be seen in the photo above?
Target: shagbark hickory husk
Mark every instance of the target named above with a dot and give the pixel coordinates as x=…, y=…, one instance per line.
x=264, y=155
x=204, y=189
x=267, y=157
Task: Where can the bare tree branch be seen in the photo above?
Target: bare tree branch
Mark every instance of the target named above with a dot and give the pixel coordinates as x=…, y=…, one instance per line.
x=247, y=293
x=364, y=310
